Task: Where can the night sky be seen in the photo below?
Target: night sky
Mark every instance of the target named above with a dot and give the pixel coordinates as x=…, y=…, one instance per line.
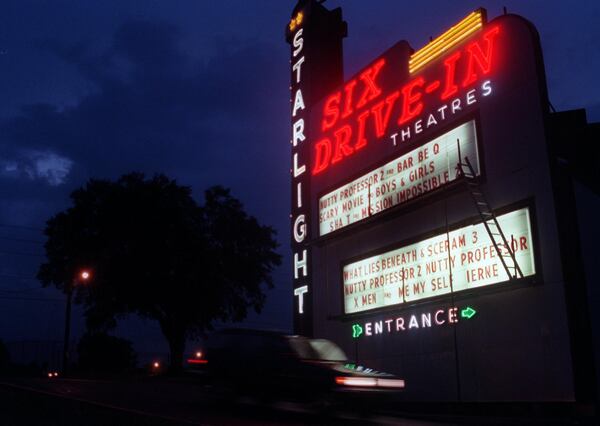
x=197, y=90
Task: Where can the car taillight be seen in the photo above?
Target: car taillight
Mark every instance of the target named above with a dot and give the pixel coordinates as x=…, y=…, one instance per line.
x=370, y=382
x=197, y=361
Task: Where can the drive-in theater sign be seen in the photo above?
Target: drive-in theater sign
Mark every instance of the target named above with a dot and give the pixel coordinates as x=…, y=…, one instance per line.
x=423, y=218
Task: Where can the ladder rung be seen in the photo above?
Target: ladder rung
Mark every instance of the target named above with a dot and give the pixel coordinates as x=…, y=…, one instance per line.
x=508, y=259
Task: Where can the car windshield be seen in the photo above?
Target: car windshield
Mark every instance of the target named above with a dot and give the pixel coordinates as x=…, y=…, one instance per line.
x=317, y=349
x=327, y=350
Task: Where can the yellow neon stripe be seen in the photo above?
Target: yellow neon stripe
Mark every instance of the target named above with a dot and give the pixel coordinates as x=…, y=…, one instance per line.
x=468, y=21
x=444, y=41
x=450, y=38
x=414, y=66
x=449, y=43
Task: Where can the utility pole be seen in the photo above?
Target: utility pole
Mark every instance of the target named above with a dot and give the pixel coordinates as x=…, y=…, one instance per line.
x=82, y=277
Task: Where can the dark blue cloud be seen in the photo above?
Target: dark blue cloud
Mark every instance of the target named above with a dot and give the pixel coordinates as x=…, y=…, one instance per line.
x=157, y=109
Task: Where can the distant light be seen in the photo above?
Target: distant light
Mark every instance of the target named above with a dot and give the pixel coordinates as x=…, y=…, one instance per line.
x=198, y=354
x=50, y=374
x=156, y=364
x=55, y=374
x=85, y=275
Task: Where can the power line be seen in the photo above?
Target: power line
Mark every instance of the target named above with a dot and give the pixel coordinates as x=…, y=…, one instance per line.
x=18, y=276
x=21, y=240
x=35, y=299
x=30, y=228
x=22, y=254
x=25, y=290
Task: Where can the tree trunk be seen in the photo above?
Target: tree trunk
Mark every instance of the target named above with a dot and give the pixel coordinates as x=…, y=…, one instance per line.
x=177, y=347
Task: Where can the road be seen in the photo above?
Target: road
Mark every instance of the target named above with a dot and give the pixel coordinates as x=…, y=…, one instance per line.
x=151, y=401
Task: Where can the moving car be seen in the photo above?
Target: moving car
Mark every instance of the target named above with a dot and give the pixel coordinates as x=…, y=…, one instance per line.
x=270, y=366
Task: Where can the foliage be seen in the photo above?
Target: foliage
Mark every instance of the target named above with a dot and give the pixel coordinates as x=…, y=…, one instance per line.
x=155, y=252
x=100, y=352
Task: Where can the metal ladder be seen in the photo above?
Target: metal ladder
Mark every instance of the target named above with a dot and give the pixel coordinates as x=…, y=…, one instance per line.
x=488, y=218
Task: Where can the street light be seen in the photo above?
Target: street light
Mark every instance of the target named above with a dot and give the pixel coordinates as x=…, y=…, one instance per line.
x=83, y=276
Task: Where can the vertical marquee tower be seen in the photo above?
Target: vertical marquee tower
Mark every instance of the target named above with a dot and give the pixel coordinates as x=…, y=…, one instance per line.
x=315, y=35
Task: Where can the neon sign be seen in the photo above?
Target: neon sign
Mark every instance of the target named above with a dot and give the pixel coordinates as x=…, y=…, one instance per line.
x=296, y=21
x=300, y=205
x=363, y=108
x=463, y=259
x=453, y=36
x=357, y=330
x=403, y=323
x=419, y=171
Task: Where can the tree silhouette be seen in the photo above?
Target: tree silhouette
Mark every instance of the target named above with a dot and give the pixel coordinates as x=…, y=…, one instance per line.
x=103, y=353
x=155, y=252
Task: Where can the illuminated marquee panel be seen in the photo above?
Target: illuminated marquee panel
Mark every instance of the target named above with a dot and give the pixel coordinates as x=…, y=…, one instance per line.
x=422, y=270
x=421, y=170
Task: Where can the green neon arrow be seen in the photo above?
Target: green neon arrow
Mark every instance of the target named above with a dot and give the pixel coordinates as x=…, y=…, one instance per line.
x=468, y=312
x=356, y=331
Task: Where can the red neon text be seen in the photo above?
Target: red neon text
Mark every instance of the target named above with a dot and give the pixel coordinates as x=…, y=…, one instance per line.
x=459, y=70
x=370, y=90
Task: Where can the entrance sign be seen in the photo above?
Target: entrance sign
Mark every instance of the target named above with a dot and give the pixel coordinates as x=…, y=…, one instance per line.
x=401, y=323
x=417, y=172
x=460, y=260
